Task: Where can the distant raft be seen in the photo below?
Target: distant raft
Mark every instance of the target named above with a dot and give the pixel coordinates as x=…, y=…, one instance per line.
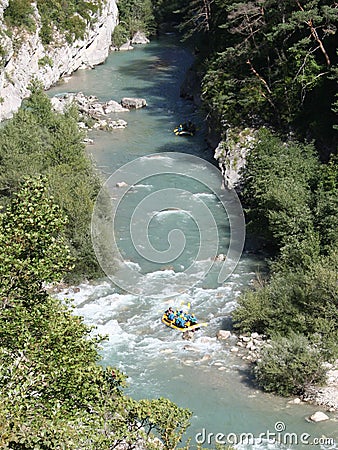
x=185, y=129
x=171, y=324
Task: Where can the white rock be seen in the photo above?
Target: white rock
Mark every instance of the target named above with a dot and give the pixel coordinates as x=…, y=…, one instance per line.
x=220, y=257
x=112, y=107
x=223, y=334
x=234, y=349
x=121, y=123
x=126, y=46
x=319, y=416
x=295, y=401
x=188, y=335
x=140, y=38
x=251, y=346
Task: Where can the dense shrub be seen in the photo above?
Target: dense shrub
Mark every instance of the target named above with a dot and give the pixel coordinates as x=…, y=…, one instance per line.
x=288, y=365
x=303, y=301
x=120, y=35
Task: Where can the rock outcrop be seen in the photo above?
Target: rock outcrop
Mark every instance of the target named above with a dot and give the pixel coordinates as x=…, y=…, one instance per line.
x=27, y=58
x=231, y=154
x=140, y=38
x=319, y=416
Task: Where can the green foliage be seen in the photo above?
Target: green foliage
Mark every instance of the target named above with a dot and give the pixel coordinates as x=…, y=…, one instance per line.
x=304, y=301
x=40, y=141
x=31, y=244
x=120, y=35
x=70, y=17
x=139, y=420
x=53, y=394
x=292, y=198
x=288, y=365
x=47, y=364
x=19, y=13
x=326, y=209
x=165, y=11
x=269, y=63
x=135, y=15
x=3, y=54
x=46, y=61
x=278, y=182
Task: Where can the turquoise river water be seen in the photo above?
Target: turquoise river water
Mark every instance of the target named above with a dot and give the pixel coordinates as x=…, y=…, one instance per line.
x=202, y=375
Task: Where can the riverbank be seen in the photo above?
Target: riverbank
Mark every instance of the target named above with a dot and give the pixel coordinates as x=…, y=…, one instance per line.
x=248, y=348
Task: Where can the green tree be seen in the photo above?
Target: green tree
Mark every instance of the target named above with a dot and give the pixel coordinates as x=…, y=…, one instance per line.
x=53, y=393
x=135, y=15
x=40, y=141
x=31, y=250
x=279, y=180
x=273, y=62
x=69, y=17
x=326, y=205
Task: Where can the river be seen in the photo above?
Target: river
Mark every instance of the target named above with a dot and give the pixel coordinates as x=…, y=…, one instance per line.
x=202, y=375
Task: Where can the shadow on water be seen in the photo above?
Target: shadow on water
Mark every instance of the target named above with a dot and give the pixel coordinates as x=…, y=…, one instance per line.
x=247, y=377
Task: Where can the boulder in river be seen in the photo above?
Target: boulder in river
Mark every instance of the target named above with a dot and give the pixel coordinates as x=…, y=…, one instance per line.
x=223, y=334
x=188, y=335
x=126, y=46
x=140, y=38
x=121, y=184
x=319, y=416
x=133, y=103
x=113, y=107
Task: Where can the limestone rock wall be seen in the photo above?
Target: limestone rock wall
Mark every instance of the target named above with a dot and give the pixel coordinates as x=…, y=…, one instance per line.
x=231, y=155
x=26, y=58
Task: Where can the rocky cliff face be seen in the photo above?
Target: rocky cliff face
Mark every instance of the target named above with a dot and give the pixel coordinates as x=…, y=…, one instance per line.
x=231, y=155
x=26, y=58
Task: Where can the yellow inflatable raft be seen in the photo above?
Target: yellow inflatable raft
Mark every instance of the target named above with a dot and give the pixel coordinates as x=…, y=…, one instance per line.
x=171, y=324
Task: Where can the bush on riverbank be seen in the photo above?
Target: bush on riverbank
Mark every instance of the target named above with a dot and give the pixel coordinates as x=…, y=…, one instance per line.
x=40, y=141
x=288, y=365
